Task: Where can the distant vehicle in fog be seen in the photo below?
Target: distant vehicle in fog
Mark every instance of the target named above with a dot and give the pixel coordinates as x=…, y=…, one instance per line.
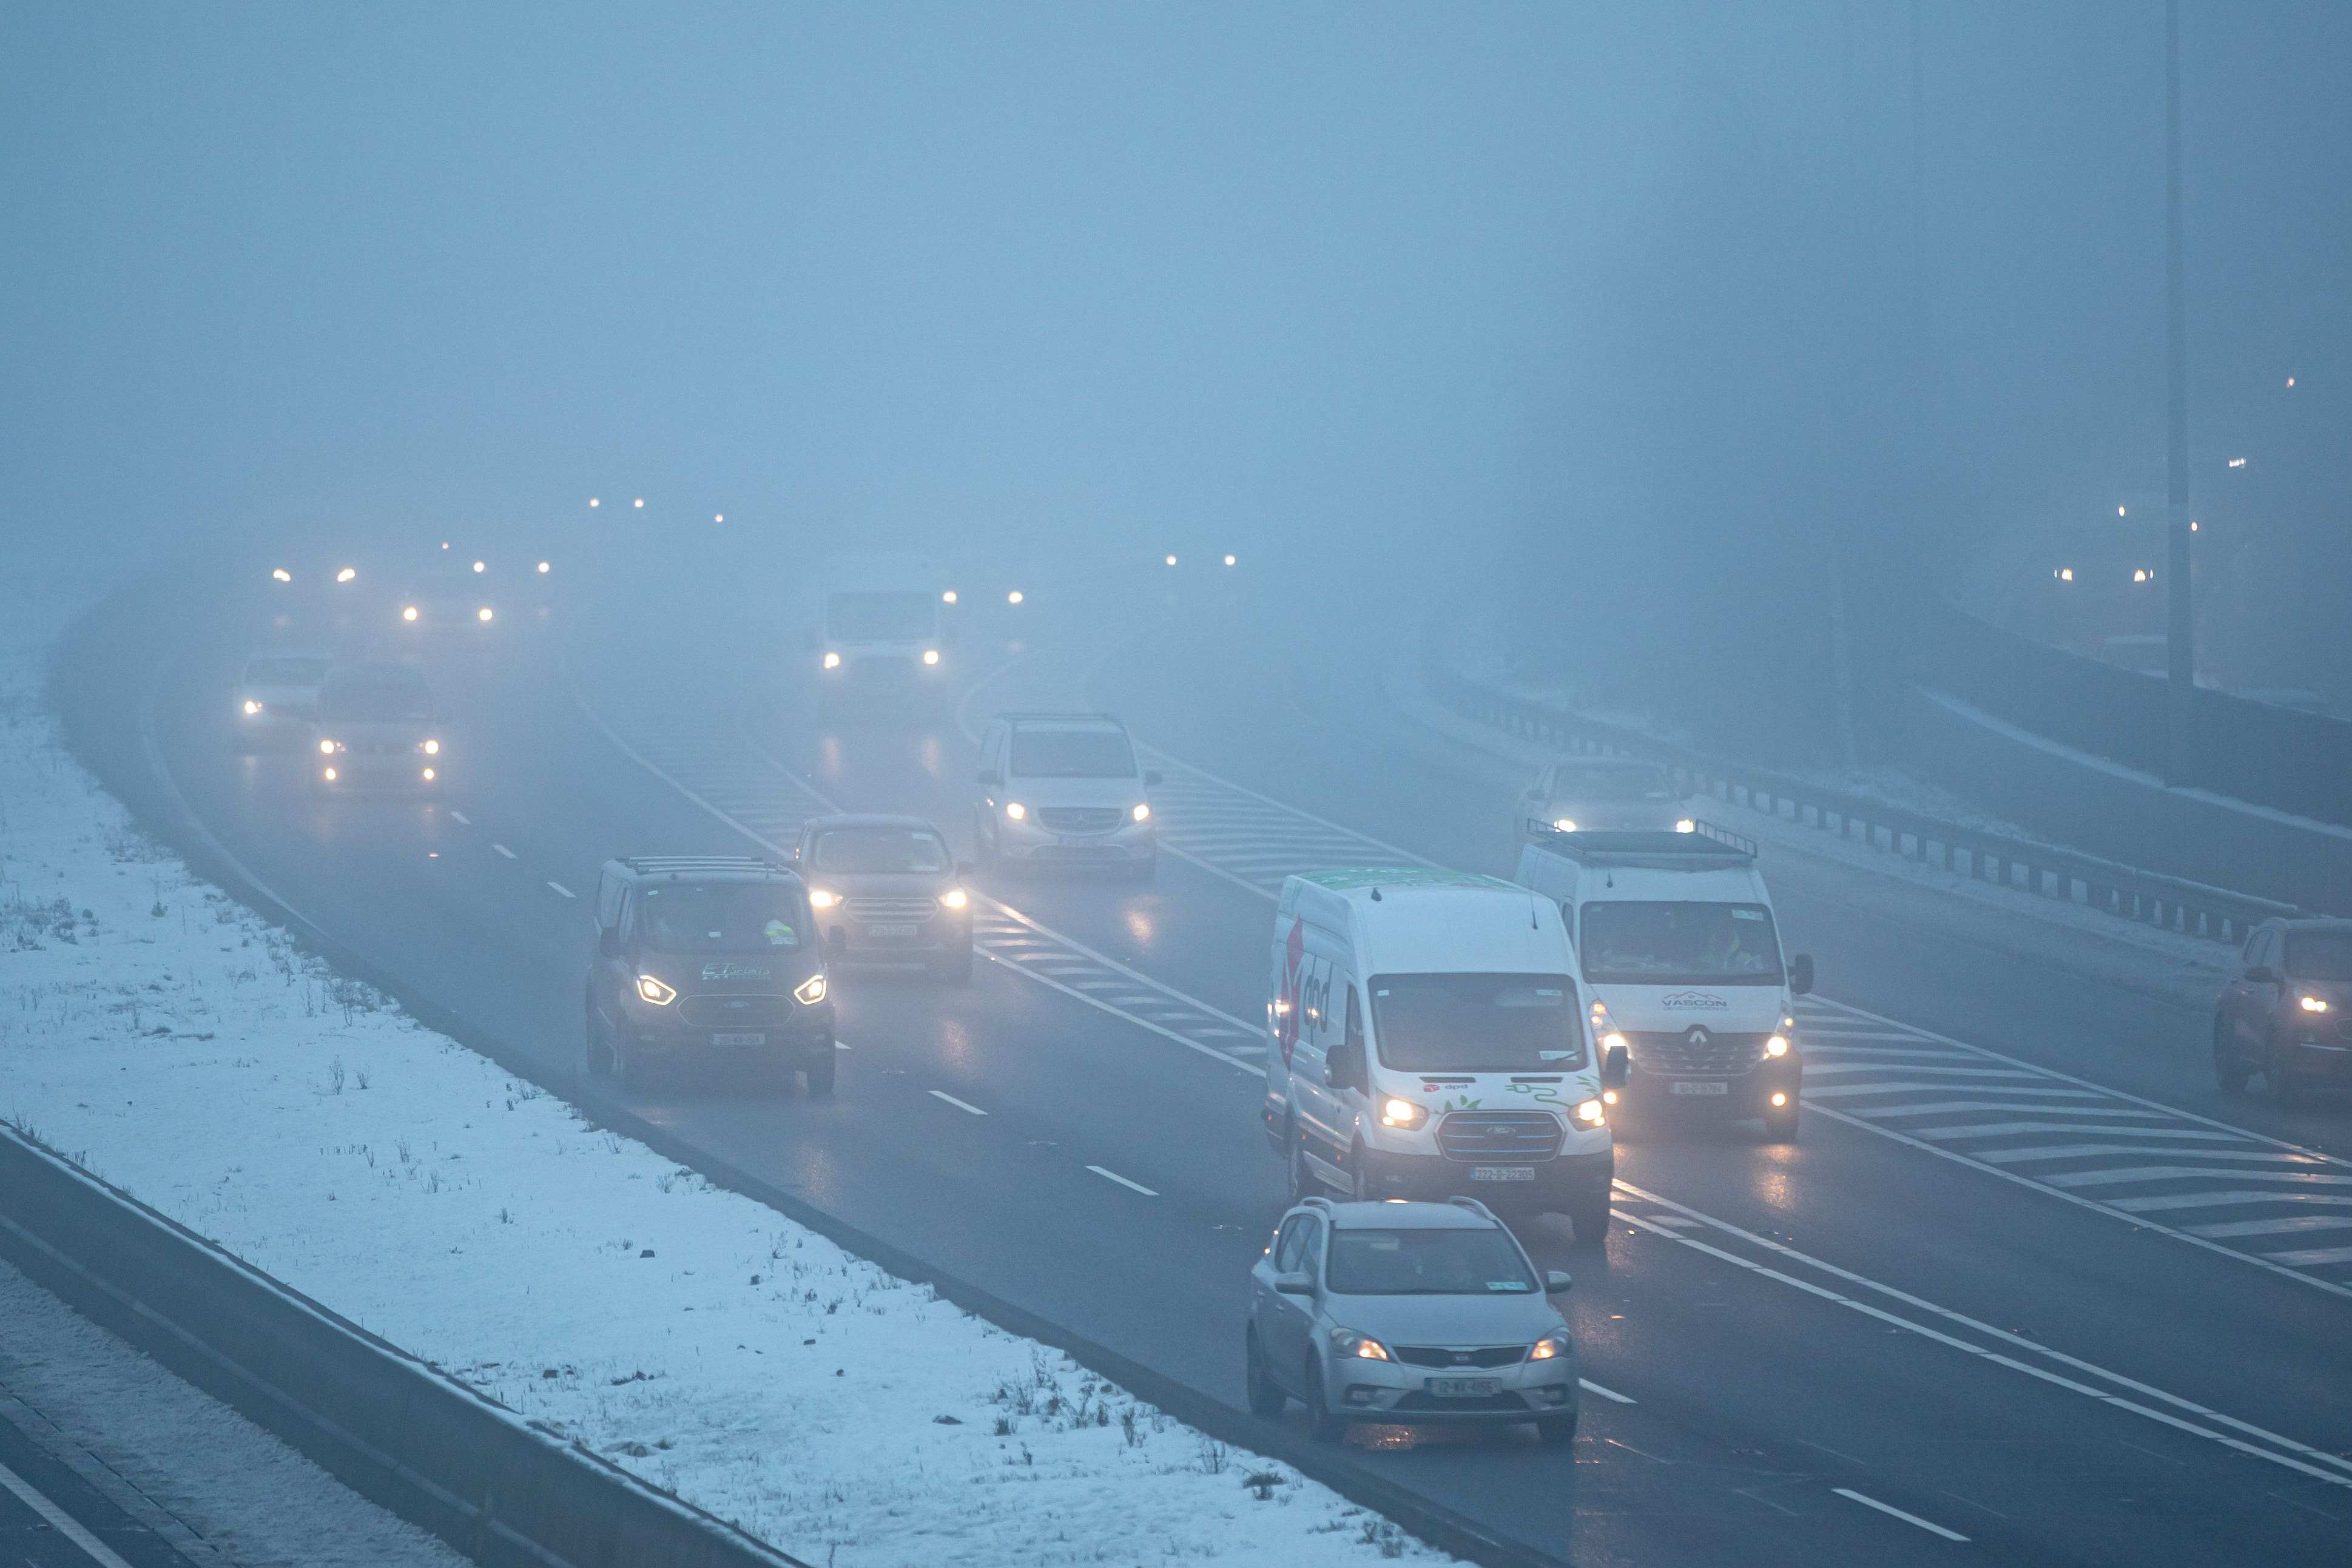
x=452, y=597
x=1618, y=794
x=377, y=729
x=880, y=633
x=1063, y=788
x=277, y=697
x=2286, y=1012
x=886, y=889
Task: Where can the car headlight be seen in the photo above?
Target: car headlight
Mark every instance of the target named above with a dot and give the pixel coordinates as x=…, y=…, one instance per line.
x=1551, y=1347
x=1777, y=1046
x=1142, y=812
x=954, y=898
x=1016, y=810
x=251, y=707
x=833, y=661
x=1402, y=1114
x=2311, y=1004
x=428, y=775
x=408, y=613
x=330, y=776
x=811, y=991
x=1564, y=824
x=822, y=898
x=431, y=749
x=930, y=655
x=328, y=748
x=654, y=991
x=1362, y=1346
x=1592, y=1112
x=483, y=614
x=1686, y=826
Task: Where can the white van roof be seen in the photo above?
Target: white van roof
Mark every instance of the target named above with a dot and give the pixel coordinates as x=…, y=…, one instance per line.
x=1424, y=920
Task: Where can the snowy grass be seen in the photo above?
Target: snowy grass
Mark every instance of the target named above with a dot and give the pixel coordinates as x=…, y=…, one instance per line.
x=175, y=1043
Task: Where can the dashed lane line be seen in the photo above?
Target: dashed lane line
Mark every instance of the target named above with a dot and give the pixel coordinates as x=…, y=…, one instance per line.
x=61, y=1522
x=959, y=1104
x=504, y=851
x=1130, y=1185
x=563, y=890
x=1608, y=1394
x=1929, y=1525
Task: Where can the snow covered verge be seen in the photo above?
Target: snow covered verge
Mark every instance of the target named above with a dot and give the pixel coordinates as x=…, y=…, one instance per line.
x=179, y=1047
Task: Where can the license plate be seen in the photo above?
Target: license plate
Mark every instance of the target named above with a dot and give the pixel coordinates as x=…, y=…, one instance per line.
x=1464, y=1387
x=889, y=931
x=1502, y=1173
x=1700, y=1086
x=739, y=1040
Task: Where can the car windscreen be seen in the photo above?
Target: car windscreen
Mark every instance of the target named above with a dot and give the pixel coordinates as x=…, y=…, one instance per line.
x=879, y=617
x=1679, y=944
x=1072, y=754
x=907, y=851
x=1593, y=782
x=1477, y=1024
x=2319, y=954
x=1425, y=1263
x=721, y=916
x=375, y=702
x=277, y=672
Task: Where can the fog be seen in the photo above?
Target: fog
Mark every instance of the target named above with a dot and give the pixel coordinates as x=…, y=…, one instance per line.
x=1639, y=326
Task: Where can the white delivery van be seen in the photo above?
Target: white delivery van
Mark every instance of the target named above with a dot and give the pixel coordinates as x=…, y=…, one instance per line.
x=1428, y=1039
x=1677, y=945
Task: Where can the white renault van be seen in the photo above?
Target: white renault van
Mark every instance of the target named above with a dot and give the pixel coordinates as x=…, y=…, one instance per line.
x=1678, y=946
x=1428, y=1039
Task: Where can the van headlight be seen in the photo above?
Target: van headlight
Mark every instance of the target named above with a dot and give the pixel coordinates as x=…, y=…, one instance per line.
x=1551, y=1347
x=822, y=898
x=1563, y=824
x=930, y=655
x=1777, y=1046
x=1142, y=811
x=1593, y=1113
x=955, y=898
x=1686, y=826
x=811, y=991
x=251, y=707
x=833, y=661
x=652, y=991
x=1016, y=810
x=431, y=749
x=2311, y=1004
x=328, y=748
x=1402, y=1114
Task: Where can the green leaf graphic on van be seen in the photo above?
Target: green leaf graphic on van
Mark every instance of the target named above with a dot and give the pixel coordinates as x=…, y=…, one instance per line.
x=1464, y=1104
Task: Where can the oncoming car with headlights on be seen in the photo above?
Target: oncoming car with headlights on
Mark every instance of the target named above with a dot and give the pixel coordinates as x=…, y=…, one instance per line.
x=276, y=699
x=887, y=891
x=1407, y=1312
x=1613, y=793
x=706, y=960
x=1063, y=788
x=377, y=729
x=1428, y=1041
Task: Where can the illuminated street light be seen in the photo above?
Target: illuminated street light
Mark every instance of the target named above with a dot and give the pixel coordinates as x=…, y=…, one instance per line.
x=1229, y=560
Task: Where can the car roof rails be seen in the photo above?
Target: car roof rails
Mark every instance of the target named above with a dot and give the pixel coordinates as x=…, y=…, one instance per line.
x=1316, y=1200
x=1473, y=1206
x=680, y=866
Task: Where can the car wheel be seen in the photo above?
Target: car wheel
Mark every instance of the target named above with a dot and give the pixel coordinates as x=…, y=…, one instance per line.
x=1359, y=1177
x=1266, y=1395
x=1557, y=1431
x=2276, y=1079
x=1304, y=1183
x=2229, y=1070
x=600, y=1049
x=955, y=968
x=1321, y=1424
x=1781, y=1125
x=1591, y=1217
x=820, y=1072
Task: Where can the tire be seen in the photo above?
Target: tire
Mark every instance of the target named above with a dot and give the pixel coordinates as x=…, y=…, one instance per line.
x=820, y=1072
x=2277, y=1082
x=955, y=968
x=1781, y=1126
x=1591, y=1217
x=1266, y=1399
x=1557, y=1431
x=1359, y=1177
x=600, y=1049
x=1321, y=1424
x=1304, y=1183
x=2229, y=1070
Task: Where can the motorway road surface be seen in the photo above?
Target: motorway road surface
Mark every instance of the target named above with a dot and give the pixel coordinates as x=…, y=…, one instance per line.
x=1885, y=1344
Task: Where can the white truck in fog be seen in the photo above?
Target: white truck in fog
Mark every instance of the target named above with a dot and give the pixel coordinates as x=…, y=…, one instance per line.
x=881, y=629
x=1426, y=1039
x=1674, y=938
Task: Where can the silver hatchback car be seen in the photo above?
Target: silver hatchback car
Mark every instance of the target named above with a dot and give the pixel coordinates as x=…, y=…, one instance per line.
x=1405, y=1313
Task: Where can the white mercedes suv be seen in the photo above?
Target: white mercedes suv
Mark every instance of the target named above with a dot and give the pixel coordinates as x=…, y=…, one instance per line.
x=1063, y=788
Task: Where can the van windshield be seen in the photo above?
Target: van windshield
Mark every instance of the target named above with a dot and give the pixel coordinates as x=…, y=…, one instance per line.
x=1679, y=944
x=1477, y=1024
x=721, y=917
x=1426, y=1263
x=907, y=851
x=879, y=617
x=1605, y=781
x=1071, y=754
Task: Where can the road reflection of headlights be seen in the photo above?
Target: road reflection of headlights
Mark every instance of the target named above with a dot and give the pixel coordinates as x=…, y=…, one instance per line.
x=810, y=991
x=1592, y=1112
x=654, y=991
x=954, y=898
x=1016, y=810
x=822, y=898
x=1551, y=1347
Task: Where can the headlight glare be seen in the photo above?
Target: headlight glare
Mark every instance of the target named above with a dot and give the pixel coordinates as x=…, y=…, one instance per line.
x=930, y=655
x=1564, y=824
x=432, y=748
x=811, y=991
x=1142, y=811
x=1402, y=1114
x=408, y=613
x=2311, y=1004
x=1551, y=1347
x=955, y=898
x=328, y=747
x=822, y=898
x=251, y=707
x=1016, y=810
x=1686, y=826
x=833, y=661
x=1592, y=1112
x=654, y=991
x=1777, y=1046
x=1362, y=1346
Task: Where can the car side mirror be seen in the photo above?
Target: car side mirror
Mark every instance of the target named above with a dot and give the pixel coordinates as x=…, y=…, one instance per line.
x=1295, y=1284
x=964, y=868
x=1151, y=777
x=1555, y=1281
x=608, y=941
x=1616, y=1067
x=1345, y=1066
x=2262, y=975
x=1801, y=975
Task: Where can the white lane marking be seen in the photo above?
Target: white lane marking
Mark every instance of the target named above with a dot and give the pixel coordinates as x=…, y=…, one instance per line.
x=461, y=818
x=1252, y=1067
x=1608, y=1394
x=2299, y=1456
x=2289, y=1225
x=1812, y=1068
x=959, y=1104
x=1941, y=1107
x=2081, y=1151
x=2167, y=1172
x=2312, y=1257
x=1931, y=1527
x=64, y=1523
x=2213, y=1200
x=504, y=851
x=1114, y=1175
x=2004, y=1129
x=1843, y=1091
x=563, y=890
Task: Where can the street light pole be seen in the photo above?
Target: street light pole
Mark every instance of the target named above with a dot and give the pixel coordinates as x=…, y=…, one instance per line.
x=2180, y=652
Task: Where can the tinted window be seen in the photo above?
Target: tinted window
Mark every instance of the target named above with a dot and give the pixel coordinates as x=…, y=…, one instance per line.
x=880, y=617
x=1594, y=781
x=285, y=672
x=375, y=701
x=720, y=917
x=1290, y=1246
x=1477, y=1024
x=2319, y=954
x=1072, y=754
x=1427, y=1263
x=904, y=850
x=1677, y=943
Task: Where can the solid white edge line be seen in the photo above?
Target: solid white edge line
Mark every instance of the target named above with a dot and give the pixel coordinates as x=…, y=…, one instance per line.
x=1608, y=1394
x=1114, y=1175
x=64, y=1523
x=1890, y=1509
x=563, y=890
x=959, y=1104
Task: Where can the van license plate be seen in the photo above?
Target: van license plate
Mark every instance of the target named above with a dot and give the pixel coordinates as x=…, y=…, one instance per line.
x=739, y=1040
x=1502, y=1173
x=889, y=931
x=1463, y=1387
x=1703, y=1086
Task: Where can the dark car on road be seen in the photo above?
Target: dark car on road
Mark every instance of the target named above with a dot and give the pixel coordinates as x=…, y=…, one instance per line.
x=887, y=889
x=704, y=961
x=2286, y=1013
